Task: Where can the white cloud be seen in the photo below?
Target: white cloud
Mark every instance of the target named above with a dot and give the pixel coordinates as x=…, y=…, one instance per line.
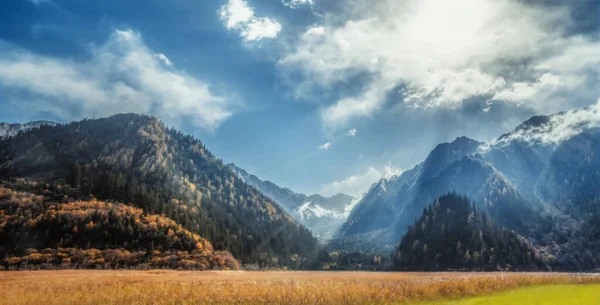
x=357, y=185
x=236, y=13
x=340, y=113
x=122, y=75
x=558, y=78
x=326, y=146
x=442, y=53
x=314, y=31
x=390, y=171
x=351, y=132
x=457, y=86
x=561, y=127
x=260, y=28
x=164, y=59
x=297, y=3
x=239, y=15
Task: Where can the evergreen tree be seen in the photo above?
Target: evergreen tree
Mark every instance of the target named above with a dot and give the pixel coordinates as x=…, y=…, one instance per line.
x=452, y=234
x=74, y=175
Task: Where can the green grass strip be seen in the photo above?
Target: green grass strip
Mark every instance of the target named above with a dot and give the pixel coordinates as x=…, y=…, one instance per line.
x=536, y=295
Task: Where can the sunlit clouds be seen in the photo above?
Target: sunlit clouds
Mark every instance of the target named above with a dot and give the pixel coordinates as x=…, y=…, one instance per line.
x=438, y=54
x=238, y=15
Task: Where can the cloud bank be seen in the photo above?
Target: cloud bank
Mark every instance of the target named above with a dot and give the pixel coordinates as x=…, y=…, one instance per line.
x=437, y=54
x=559, y=128
x=122, y=75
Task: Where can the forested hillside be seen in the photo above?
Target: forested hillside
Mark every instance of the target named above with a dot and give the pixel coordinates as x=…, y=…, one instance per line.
x=50, y=230
x=452, y=234
x=137, y=160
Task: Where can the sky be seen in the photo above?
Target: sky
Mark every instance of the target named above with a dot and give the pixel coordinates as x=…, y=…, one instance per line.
x=315, y=95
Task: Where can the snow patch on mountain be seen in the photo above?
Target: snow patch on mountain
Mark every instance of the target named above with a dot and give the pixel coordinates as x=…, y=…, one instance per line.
x=308, y=210
x=322, y=215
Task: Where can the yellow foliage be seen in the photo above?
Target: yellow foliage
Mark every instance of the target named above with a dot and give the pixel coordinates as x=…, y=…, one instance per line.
x=12, y=260
x=33, y=257
x=79, y=214
x=97, y=261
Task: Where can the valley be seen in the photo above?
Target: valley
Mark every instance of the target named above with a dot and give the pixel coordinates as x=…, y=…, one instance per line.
x=527, y=201
x=324, y=216
x=300, y=152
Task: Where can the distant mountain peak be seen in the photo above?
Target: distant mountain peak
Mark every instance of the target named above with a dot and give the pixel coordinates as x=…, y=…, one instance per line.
x=459, y=145
x=535, y=121
x=322, y=215
x=446, y=153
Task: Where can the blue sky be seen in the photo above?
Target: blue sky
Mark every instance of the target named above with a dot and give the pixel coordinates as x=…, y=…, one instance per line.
x=319, y=96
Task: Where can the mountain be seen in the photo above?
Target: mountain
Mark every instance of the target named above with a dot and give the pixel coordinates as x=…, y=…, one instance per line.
x=392, y=203
x=452, y=234
x=44, y=230
x=9, y=130
x=286, y=198
x=325, y=215
x=135, y=159
x=540, y=180
x=322, y=215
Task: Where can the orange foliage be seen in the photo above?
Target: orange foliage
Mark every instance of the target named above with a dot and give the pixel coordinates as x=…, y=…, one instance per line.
x=32, y=210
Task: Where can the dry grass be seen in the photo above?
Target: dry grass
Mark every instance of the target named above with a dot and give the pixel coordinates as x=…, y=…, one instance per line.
x=172, y=287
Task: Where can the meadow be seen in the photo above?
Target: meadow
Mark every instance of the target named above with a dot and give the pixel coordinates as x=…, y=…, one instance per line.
x=240, y=287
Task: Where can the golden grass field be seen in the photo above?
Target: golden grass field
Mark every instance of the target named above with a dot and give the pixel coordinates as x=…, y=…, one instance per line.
x=240, y=287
